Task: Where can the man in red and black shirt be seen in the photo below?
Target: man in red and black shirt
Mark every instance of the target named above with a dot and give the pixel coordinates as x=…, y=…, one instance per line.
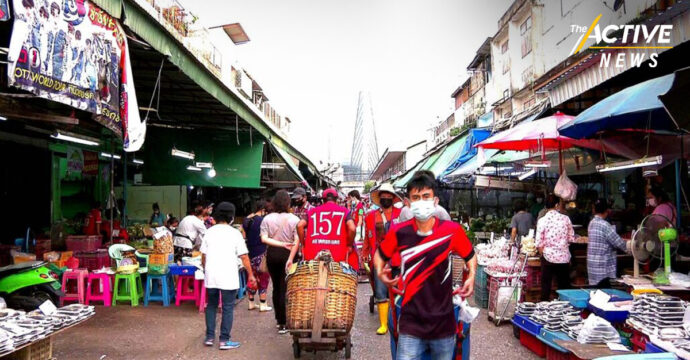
x=427, y=321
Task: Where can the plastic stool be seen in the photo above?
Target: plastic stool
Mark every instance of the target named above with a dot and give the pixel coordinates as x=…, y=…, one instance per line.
x=166, y=292
x=103, y=281
x=128, y=287
x=80, y=276
x=183, y=282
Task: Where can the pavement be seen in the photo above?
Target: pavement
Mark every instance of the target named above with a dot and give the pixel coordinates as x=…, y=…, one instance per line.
x=157, y=332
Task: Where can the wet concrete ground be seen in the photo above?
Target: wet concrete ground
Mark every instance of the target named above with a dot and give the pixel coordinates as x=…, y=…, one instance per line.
x=156, y=332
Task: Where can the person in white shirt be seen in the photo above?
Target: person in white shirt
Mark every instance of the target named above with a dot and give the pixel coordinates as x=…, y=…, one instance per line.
x=189, y=233
x=222, y=249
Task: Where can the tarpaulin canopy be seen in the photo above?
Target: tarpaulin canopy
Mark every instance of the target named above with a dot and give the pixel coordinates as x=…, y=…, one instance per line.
x=448, y=156
x=676, y=99
x=535, y=135
x=637, y=107
x=236, y=165
x=468, y=151
x=294, y=168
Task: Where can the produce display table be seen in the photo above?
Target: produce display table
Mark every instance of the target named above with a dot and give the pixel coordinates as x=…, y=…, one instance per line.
x=41, y=349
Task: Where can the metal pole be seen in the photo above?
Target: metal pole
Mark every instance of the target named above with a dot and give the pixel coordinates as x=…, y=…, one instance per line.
x=112, y=186
x=678, y=190
x=124, y=192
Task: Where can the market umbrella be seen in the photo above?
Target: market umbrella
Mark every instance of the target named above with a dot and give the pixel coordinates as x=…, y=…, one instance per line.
x=634, y=108
x=676, y=98
x=540, y=135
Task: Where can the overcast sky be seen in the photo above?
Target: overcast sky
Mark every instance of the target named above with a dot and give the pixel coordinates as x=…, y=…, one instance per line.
x=312, y=57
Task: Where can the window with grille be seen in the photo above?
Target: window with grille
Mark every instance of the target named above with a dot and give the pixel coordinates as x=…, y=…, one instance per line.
x=526, y=34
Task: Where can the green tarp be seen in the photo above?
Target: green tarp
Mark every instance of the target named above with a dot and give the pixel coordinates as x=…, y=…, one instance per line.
x=294, y=168
x=448, y=156
x=236, y=166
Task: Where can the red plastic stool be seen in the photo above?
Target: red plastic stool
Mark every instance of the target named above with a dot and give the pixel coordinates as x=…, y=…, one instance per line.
x=80, y=276
x=103, y=292
x=183, y=294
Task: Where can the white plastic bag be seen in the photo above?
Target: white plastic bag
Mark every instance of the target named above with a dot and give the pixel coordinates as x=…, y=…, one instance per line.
x=565, y=188
x=467, y=312
x=596, y=330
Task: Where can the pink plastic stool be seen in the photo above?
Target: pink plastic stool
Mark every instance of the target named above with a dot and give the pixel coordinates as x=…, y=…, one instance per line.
x=102, y=280
x=203, y=299
x=183, y=282
x=80, y=276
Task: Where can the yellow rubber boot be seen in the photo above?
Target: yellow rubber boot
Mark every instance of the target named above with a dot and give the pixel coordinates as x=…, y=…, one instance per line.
x=383, y=318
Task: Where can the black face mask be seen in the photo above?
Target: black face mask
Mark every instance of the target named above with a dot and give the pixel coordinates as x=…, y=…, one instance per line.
x=297, y=202
x=386, y=203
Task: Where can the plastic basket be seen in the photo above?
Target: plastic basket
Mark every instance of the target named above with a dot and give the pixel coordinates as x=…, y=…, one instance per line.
x=93, y=260
x=533, y=279
x=182, y=269
x=553, y=354
x=83, y=243
x=532, y=343
x=480, y=278
x=481, y=299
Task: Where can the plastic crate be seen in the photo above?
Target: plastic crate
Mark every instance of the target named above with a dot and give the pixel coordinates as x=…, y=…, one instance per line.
x=482, y=300
x=579, y=298
x=533, y=279
x=553, y=354
x=532, y=343
x=526, y=324
x=83, y=243
x=549, y=338
x=639, y=341
x=182, y=269
x=612, y=316
x=653, y=349
x=93, y=260
x=480, y=278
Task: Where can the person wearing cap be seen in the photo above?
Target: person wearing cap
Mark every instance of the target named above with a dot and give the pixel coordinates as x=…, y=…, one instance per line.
x=330, y=227
x=602, y=246
x=376, y=224
x=190, y=232
x=222, y=251
x=300, y=203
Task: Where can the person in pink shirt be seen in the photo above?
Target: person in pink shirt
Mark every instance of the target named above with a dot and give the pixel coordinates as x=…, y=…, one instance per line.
x=657, y=198
x=554, y=235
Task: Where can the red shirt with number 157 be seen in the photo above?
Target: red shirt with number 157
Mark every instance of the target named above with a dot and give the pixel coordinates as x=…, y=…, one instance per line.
x=327, y=230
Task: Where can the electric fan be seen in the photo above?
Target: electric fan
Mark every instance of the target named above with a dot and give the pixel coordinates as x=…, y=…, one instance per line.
x=654, y=238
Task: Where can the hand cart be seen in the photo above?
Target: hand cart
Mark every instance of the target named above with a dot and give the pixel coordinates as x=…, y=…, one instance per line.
x=498, y=311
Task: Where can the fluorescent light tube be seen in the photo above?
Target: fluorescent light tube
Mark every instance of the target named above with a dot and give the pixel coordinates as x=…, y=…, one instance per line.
x=537, y=164
x=75, y=138
x=110, y=156
x=182, y=154
x=137, y=161
x=630, y=164
x=193, y=168
x=204, y=165
x=527, y=174
x=2, y=118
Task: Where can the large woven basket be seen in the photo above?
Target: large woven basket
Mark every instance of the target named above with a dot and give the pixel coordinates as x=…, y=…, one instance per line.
x=340, y=296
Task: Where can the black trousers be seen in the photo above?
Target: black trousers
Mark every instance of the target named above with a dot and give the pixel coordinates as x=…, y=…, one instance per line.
x=275, y=260
x=550, y=270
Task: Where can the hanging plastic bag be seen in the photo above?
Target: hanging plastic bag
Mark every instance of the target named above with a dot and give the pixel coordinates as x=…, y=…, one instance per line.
x=467, y=313
x=565, y=188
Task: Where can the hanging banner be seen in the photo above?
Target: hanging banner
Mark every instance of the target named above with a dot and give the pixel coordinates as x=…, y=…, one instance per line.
x=73, y=52
x=4, y=10
x=133, y=128
x=90, y=163
x=75, y=160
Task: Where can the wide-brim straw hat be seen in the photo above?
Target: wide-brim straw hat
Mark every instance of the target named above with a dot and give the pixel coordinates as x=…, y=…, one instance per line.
x=385, y=187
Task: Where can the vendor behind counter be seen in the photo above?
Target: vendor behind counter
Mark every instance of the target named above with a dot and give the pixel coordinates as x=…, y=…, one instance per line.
x=603, y=245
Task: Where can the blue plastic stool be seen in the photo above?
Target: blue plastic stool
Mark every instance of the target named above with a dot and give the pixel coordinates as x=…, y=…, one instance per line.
x=167, y=289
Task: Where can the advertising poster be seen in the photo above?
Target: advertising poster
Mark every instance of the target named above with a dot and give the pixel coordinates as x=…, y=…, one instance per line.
x=73, y=52
x=4, y=10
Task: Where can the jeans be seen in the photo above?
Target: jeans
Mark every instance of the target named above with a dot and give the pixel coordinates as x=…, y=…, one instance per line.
x=380, y=289
x=548, y=271
x=277, y=257
x=226, y=316
x=412, y=348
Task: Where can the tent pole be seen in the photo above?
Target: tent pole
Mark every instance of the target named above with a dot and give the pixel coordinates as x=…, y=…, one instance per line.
x=124, y=191
x=560, y=158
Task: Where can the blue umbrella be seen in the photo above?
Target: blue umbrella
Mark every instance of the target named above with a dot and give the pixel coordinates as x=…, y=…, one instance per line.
x=637, y=107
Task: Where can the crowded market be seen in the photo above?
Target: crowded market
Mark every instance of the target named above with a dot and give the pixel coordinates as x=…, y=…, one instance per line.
x=151, y=181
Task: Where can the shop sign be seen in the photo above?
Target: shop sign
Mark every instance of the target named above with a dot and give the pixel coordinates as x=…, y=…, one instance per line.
x=75, y=53
x=90, y=163
x=4, y=10
x=75, y=160
x=482, y=181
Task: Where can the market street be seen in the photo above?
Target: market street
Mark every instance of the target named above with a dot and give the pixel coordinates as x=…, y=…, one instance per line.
x=155, y=332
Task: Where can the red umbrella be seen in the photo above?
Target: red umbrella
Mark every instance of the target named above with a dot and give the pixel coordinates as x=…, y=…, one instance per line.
x=538, y=136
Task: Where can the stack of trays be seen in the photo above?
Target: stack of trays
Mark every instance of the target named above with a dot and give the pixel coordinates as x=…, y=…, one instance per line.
x=572, y=325
x=683, y=344
x=551, y=314
x=77, y=312
x=6, y=343
x=600, y=335
x=655, y=312
x=525, y=309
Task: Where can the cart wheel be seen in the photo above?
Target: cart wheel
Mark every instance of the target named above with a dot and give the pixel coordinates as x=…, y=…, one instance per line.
x=296, y=351
x=348, y=347
x=371, y=304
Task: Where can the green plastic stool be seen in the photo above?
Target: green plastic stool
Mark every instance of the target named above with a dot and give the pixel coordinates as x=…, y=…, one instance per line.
x=128, y=287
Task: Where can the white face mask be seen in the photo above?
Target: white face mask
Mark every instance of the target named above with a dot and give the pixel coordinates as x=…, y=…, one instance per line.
x=423, y=209
x=651, y=202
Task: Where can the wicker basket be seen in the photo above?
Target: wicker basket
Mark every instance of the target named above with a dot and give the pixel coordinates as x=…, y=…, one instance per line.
x=40, y=350
x=340, y=296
